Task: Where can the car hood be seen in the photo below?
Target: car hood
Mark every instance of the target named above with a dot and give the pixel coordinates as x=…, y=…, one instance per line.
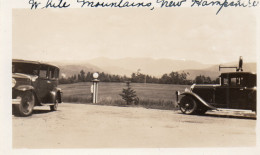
x=24, y=76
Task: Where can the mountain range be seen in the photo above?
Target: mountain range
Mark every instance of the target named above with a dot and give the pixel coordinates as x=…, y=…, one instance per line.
x=150, y=66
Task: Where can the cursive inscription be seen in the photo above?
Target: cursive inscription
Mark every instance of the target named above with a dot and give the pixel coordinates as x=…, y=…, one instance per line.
x=225, y=3
x=119, y=4
x=60, y=4
x=165, y=3
x=34, y=4
x=150, y=4
x=49, y=4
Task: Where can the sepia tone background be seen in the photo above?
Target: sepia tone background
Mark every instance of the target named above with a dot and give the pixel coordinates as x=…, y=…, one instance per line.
x=186, y=35
x=122, y=41
x=180, y=33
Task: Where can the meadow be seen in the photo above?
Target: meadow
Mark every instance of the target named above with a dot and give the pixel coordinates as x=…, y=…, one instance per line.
x=156, y=96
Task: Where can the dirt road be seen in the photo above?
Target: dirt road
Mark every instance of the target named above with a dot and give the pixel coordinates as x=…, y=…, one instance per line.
x=94, y=126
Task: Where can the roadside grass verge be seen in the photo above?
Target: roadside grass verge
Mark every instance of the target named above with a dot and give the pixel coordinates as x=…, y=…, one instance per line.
x=146, y=103
x=152, y=96
x=77, y=99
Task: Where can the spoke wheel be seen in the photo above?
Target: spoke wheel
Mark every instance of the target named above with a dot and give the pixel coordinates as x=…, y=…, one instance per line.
x=25, y=108
x=55, y=106
x=188, y=105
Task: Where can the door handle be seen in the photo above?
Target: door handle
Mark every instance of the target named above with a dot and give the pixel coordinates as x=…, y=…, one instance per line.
x=242, y=88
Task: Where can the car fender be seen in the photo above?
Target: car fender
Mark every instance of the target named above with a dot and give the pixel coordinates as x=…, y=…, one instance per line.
x=24, y=88
x=201, y=101
x=56, y=93
x=51, y=97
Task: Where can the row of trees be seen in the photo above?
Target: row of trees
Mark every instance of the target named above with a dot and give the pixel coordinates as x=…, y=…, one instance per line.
x=201, y=79
x=87, y=77
x=171, y=78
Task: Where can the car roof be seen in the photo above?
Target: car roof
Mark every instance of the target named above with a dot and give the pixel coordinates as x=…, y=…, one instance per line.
x=237, y=73
x=32, y=62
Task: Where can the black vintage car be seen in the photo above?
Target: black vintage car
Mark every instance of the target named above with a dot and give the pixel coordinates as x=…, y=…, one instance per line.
x=34, y=84
x=237, y=90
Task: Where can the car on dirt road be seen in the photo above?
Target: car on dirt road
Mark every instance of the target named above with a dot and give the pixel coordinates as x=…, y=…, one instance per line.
x=34, y=84
x=236, y=90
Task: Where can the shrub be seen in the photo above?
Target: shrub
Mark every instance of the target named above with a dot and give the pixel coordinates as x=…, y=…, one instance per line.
x=129, y=95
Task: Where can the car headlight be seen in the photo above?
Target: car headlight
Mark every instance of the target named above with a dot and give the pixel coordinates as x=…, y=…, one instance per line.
x=13, y=82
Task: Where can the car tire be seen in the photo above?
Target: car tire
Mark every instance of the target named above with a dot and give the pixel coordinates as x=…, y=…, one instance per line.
x=25, y=108
x=188, y=105
x=55, y=106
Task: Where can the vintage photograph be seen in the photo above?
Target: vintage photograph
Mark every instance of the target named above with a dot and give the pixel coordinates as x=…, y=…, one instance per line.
x=134, y=78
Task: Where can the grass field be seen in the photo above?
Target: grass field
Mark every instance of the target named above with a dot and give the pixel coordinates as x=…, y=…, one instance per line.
x=159, y=96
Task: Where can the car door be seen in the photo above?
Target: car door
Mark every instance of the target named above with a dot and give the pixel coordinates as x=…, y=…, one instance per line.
x=240, y=92
x=43, y=84
x=237, y=96
x=222, y=93
x=53, y=78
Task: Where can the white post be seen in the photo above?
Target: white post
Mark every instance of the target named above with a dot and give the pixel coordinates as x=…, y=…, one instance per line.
x=95, y=87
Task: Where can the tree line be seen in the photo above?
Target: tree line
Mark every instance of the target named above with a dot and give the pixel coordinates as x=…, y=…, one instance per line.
x=171, y=78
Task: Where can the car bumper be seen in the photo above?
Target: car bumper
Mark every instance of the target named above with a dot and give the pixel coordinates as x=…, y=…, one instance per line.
x=16, y=101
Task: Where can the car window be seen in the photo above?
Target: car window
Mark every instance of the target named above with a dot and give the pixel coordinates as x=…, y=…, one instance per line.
x=237, y=81
x=240, y=81
x=233, y=82
x=43, y=73
x=56, y=73
x=225, y=81
x=53, y=73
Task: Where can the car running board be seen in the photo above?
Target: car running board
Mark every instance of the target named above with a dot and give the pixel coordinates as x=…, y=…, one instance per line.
x=226, y=109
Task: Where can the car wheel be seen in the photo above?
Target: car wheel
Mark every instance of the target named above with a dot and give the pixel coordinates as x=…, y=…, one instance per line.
x=188, y=105
x=55, y=106
x=25, y=108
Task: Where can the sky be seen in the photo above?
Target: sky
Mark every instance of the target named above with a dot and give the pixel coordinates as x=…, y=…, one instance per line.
x=172, y=33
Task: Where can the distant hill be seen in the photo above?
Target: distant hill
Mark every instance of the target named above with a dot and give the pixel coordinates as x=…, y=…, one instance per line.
x=69, y=68
x=154, y=67
x=213, y=71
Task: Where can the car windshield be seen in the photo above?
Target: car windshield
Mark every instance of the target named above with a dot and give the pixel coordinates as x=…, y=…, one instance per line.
x=25, y=68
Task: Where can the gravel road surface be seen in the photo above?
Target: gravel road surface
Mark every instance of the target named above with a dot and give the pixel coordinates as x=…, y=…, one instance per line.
x=96, y=126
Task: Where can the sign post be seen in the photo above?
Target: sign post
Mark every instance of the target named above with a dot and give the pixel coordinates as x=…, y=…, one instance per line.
x=94, y=87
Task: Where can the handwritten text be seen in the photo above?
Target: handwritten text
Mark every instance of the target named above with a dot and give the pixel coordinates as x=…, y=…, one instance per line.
x=150, y=4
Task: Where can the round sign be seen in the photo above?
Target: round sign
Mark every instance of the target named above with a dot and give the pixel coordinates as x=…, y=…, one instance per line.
x=95, y=75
